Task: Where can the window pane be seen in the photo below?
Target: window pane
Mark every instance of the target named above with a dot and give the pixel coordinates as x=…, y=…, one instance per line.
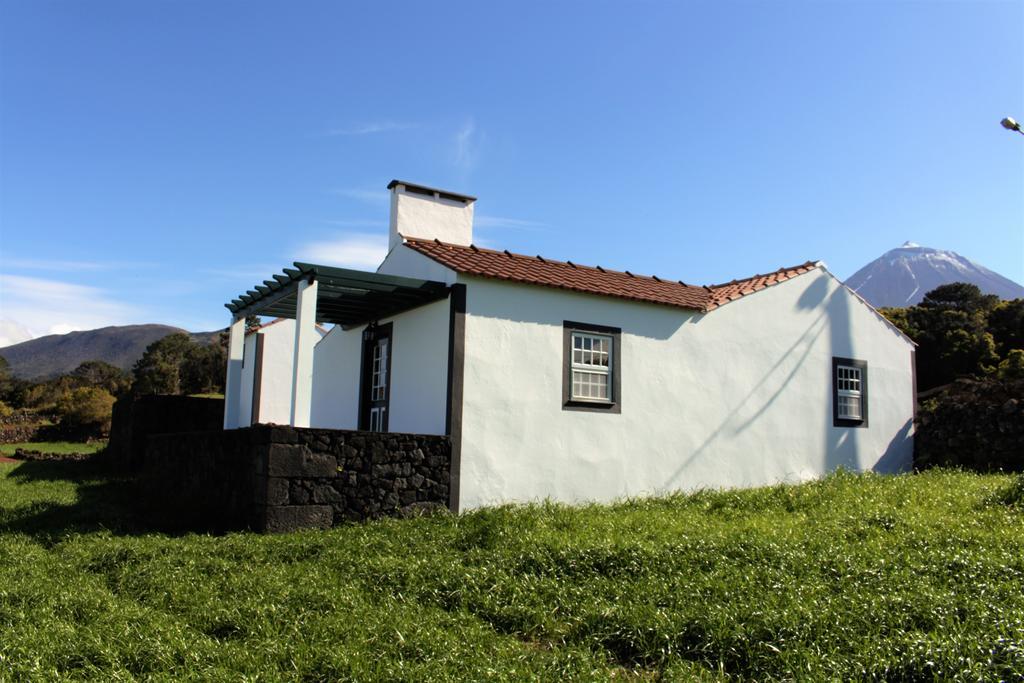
x=591, y=366
x=590, y=385
x=849, y=407
x=592, y=350
x=848, y=379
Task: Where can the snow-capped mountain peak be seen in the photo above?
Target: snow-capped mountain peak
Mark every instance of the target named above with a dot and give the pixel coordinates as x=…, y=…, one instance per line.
x=902, y=276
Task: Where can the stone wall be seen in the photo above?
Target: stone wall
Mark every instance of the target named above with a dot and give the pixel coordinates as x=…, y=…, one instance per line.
x=318, y=477
x=270, y=478
x=199, y=481
x=136, y=418
x=974, y=424
x=23, y=426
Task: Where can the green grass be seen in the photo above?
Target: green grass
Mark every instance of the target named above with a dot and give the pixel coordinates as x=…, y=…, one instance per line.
x=62, y=447
x=854, y=577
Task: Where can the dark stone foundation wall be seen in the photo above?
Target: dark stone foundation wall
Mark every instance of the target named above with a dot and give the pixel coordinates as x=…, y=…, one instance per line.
x=977, y=424
x=273, y=479
x=135, y=419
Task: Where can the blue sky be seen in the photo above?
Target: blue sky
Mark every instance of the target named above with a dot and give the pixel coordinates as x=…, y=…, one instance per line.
x=158, y=158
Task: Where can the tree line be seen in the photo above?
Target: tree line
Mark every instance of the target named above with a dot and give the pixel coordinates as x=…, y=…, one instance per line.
x=82, y=400
x=961, y=332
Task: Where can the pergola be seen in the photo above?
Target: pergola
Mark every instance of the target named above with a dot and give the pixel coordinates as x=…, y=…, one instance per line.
x=312, y=294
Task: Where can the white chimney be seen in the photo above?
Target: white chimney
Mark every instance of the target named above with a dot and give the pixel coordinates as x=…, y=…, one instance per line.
x=428, y=213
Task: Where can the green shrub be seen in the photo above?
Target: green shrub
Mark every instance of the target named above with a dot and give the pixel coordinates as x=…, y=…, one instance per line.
x=1011, y=495
x=1013, y=366
x=86, y=408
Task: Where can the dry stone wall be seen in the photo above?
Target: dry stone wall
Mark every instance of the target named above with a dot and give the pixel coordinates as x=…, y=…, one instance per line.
x=273, y=479
x=23, y=426
x=136, y=418
x=975, y=424
x=316, y=477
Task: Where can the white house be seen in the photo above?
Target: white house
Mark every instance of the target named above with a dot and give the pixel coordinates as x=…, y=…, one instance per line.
x=576, y=383
x=265, y=393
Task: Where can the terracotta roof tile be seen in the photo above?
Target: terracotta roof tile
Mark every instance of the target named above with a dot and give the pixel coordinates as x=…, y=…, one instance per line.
x=504, y=265
x=730, y=291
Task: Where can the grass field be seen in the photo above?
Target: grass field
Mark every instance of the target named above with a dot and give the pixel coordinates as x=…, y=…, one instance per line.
x=854, y=577
x=8, y=449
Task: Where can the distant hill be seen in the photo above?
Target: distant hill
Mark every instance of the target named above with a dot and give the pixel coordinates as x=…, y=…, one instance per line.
x=56, y=354
x=902, y=276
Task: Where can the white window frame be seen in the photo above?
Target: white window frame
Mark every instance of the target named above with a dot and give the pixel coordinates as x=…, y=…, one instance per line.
x=848, y=376
x=849, y=392
x=591, y=368
x=611, y=340
x=379, y=371
x=377, y=418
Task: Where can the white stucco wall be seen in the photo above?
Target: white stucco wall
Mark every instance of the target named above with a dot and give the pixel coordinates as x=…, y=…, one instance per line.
x=248, y=376
x=336, y=365
x=741, y=396
x=416, y=215
x=407, y=262
x=419, y=373
x=276, y=378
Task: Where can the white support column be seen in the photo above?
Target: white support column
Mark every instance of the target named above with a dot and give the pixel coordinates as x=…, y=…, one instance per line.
x=302, y=366
x=233, y=383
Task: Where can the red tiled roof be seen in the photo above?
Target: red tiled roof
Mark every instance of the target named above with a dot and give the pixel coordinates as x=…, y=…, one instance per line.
x=536, y=270
x=729, y=291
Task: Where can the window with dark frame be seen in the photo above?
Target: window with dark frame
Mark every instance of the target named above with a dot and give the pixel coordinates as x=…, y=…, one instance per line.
x=375, y=378
x=591, y=367
x=849, y=392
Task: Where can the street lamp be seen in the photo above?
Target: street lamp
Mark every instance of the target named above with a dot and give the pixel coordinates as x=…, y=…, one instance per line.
x=1010, y=124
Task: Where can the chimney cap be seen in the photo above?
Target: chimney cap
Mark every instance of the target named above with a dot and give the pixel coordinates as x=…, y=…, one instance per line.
x=416, y=188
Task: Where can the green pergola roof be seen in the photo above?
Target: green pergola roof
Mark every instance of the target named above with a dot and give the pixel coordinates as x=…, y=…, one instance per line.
x=344, y=297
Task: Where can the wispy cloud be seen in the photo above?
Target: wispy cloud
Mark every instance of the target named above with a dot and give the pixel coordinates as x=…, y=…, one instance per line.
x=359, y=250
x=372, y=127
x=485, y=222
x=58, y=265
x=466, y=146
x=363, y=195
x=44, y=306
x=13, y=332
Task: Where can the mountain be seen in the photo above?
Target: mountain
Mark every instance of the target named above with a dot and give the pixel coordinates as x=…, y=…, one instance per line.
x=57, y=354
x=901, y=277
